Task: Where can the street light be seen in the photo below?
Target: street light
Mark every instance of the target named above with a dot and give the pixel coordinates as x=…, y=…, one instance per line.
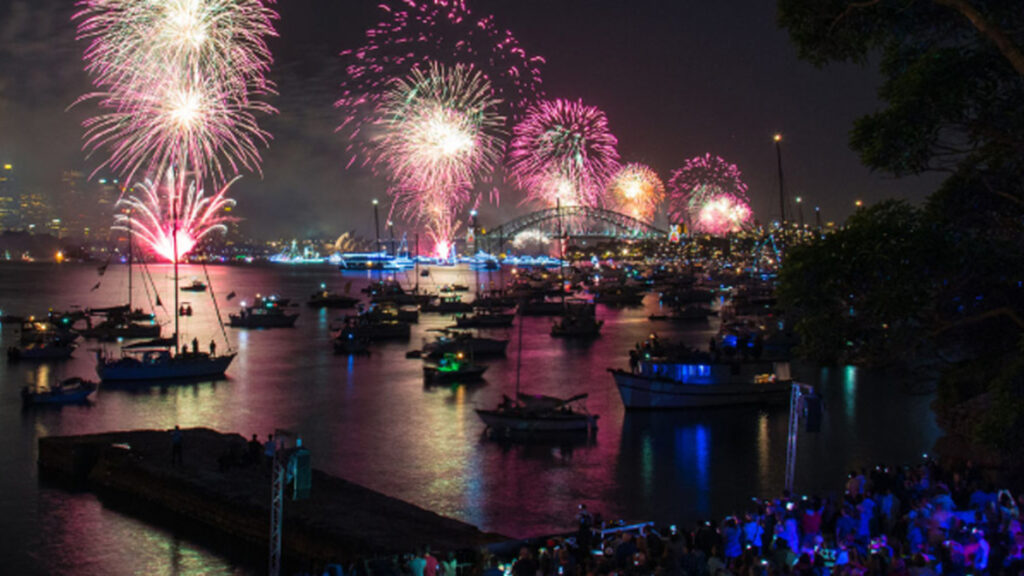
x=858, y=203
x=376, y=223
x=782, y=193
x=800, y=210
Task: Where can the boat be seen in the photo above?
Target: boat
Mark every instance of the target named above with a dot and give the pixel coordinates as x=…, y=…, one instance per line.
x=539, y=415
x=452, y=368
x=690, y=313
x=454, y=341
x=393, y=292
x=53, y=349
x=69, y=391
x=373, y=261
x=618, y=296
x=33, y=331
x=540, y=307
x=120, y=328
x=448, y=304
x=352, y=343
x=324, y=299
x=701, y=382
x=578, y=321
x=454, y=288
x=197, y=285
x=160, y=359
x=265, y=312
x=486, y=318
x=372, y=328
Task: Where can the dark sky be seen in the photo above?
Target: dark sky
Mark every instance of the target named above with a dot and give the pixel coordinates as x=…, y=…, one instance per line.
x=676, y=79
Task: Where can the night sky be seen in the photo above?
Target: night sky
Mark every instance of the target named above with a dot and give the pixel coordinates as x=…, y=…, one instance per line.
x=676, y=79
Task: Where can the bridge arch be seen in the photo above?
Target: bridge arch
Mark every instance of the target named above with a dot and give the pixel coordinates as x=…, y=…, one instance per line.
x=579, y=221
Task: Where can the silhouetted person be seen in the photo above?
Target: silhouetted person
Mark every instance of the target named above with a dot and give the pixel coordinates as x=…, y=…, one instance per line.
x=213, y=348
x=176, y=441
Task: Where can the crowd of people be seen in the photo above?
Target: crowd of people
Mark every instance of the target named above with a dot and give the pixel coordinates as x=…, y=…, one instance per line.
x=921, y=520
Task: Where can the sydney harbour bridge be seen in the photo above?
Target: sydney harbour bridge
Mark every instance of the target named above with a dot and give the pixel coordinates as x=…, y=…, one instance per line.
x=580, y=222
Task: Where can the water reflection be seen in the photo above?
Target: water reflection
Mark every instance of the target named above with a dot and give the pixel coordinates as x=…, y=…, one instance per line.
x=371, y=420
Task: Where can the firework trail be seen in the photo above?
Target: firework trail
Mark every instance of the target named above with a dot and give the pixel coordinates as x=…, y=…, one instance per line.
x=563, y=152
x=440, y=134
x=711, y=186
x=178, y=82
x=637, y=190
x=412, y=35
x=147, y=212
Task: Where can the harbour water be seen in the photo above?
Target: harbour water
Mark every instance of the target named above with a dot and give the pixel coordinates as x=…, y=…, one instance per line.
x=371, y=420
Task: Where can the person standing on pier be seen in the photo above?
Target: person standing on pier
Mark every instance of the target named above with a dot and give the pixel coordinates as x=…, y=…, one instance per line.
x=176, y=446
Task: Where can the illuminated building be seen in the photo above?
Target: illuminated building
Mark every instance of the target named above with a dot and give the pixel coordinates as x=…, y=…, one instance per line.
x=8, y=199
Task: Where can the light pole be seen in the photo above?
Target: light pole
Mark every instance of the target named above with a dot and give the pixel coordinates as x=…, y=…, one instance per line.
x=472, y=224
x=391, y=234
x=782, y=192
x=376, y=224
x=817, y=216
x=800, y=210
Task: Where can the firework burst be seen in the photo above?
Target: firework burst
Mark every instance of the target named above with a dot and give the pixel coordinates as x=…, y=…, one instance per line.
x=179, y=82
x=414, y=34
x=440, y=134
x=563, y=152
x=721, y=214
x=703, y=182
x=153, y=211
x=637, y=190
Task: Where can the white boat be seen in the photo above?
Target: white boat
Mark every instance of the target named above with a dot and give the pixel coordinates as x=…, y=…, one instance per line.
x=373, y=261
x=265, y=312
x=668, y=385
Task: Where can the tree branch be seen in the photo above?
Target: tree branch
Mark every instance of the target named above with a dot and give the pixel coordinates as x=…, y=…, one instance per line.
x=990, y=31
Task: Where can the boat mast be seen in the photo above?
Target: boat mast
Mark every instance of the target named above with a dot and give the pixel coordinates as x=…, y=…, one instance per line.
x=174, y=248
x=130, y=255
x=561, y=252
x=519, y=354
x=416, y=288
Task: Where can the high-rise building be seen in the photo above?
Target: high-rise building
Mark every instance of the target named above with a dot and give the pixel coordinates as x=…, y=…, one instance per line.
x=9, y=216
x=35, y=212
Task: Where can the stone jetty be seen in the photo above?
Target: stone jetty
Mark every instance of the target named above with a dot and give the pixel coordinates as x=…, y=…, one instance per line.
x=217, y=491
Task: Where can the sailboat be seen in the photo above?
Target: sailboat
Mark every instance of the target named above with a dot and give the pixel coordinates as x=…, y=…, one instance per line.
x=160, y=359
x=122, y=322
x=533, y=414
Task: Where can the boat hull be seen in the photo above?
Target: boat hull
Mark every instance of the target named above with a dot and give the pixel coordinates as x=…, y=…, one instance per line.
x=655, y=393
x=503, y=422
x=176, y=368
x=257, y=321
x=432, y=375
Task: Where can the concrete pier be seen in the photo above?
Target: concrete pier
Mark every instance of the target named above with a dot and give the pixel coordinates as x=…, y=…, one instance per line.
x=340, y=521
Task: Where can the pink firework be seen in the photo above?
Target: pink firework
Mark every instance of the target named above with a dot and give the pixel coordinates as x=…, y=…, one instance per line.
x=722, y=214
x=415, y=33
x=156, y=212
x=637, y=190
x=562, y=152
x=701, y=179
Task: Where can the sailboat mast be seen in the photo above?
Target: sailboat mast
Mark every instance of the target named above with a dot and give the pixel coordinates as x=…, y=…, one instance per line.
x=519, y=354
x=417, y=288
x=561, y=251
x=131, y=254
x=174, y=248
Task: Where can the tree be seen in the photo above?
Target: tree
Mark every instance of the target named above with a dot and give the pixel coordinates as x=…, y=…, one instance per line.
x=953, y=77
